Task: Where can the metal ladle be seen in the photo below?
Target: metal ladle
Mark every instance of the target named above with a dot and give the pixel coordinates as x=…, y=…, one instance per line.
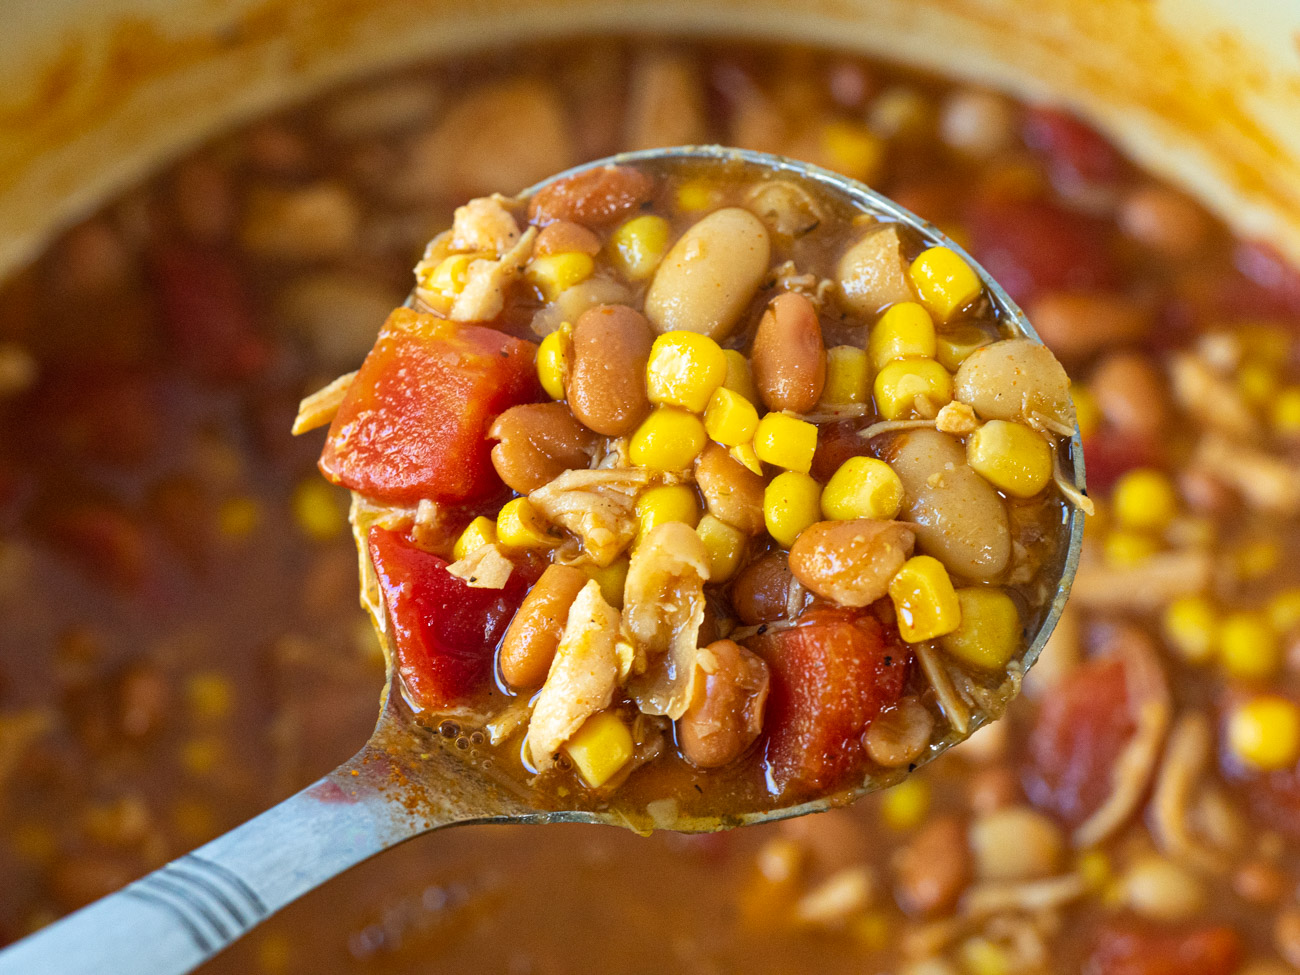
x=408, y=779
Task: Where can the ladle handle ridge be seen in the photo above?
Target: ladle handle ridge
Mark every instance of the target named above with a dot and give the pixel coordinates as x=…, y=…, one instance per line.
x=179, y=916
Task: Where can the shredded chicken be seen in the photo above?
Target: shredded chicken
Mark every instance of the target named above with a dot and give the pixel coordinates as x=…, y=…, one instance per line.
x=787, y=277
x=484, y=225
x=318, y=409
x=1263, y=480
x=986, y=899
x=836, y=899
x=1186, y=757
x=956, y=418
x=582, y=678
x=486, y=281
x=598, y=506
x=484, y=568
x=950, y=702
x=1210, y=397
x=663, y=609
x=509, y=720
x=1144, y=588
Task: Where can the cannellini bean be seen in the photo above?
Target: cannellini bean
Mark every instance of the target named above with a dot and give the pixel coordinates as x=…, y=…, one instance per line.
x=1015, y=379
x=710, y=274
x=726, y=711
x=978, y=123
x=788, y=357
x=1162, y=890
x=871, y=274
x=958, y=518
x=1016, y=843
x=851, y=562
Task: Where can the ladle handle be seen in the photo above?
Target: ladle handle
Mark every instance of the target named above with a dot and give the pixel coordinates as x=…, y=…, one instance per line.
x=182, y=914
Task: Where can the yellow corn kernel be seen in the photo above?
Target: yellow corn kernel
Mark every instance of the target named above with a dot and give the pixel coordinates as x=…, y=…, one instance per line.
x=1086, y=409
x=1126, y=549
x=684, y=370
x=1144, y=499
x=201, y=756
x=852, y=149
x=239, y=517
x=520, y=525
x=601, y=747
x=1011, y=457
x=611, y=579
x=981, y=956
x=1093, y=867
x=1265, y=343
x=553, y=357
x=210, y=696
x=669, y=502
x=1264, y=732
x=637, y=247
x=874, y=931
x=989, y=633
x=553, y=274
x=479, y=532
x=944, y=282
x=1285, y=411
x=1189, y=626
x=904, y=331
x=1284, y=611
x=1249, y=647
x=668, y=439
x=740, y=377
x=791, y=502
x=725, y=545
x=318, y=510
x=953, y=346
x=848, y=375
x=912, y=385
x=449, y=276
x=1258, y=382
x=786, y=442
x=730, y=419
x=924, y=599
x=863, y=487
x=696, y=194
x=746, y=456
x=1256, y=559
x=904, y=806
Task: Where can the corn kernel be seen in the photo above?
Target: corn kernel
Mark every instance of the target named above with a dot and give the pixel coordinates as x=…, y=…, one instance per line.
x=924, y=599
x=210, y=696
x=611, y=579
x=1011, y=457
x=980, y=956
x=852, y=149
x=786, y=442
x=684, y=370
x=479, y=532
x=989, y=633
x=730, y=419
x=1284, y=611
x=912, y=385
x=1144, y=499
x=791, y=502
x=239, y=517
x=553, y=274
x=944, y=281
x=668, y=439
x=1285, y=411
x=669, y=502
x=1086, y=410
x=1093, y=867
x=553, y=357
x=740, y=377
x=318, y=510
x=1189, y=626
x=904, y=331
x=520, y=525
x=1248, y=646
x=201, y=756
x=1265, y=343
x=1126, y=549
x=872, y=931
x=863, y=487
x=848, y=374
x=1256, y=559
x=696, y=195
x=725, y=545
x=953, y=346
x=1258, y=382
x=904, y=806
x=1264, y=732
x=449, y=276
x=637, y=247
x=601, y=747
x=747, y=457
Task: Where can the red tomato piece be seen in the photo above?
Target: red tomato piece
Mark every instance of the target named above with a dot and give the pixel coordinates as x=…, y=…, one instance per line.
x=444, y=631
x=1127, y=949
x=831, y=676
x=1076, y=152
x=414, y=424
x=1108, y=455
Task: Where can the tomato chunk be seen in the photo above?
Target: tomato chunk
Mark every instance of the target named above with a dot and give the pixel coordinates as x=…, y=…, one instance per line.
x=414, y=424
x=1109, y=455
x=1126, y=949
x=444, y=631
x=1076, y=152
x=831, y=676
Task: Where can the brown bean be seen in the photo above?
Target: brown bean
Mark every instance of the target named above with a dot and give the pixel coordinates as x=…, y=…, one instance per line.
x=1163, y=220
x=899, y=735
x=534, y=634
x=761, y=592
x=1015, y=843
x=538, y=443
x=732, y=492
x=993, y=788
x=566, y=237
x=933, y=869
x=726, y=712
x=788, y=357
x=596, y=197
x=1130, y=392
x=1078, y=324
x=851, y=562
x=606, y=391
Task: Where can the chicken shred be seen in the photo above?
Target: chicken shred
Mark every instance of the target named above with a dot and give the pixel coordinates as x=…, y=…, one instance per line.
x=484, y=294
x=484, y=568
x=484, y=225
x=599, y=506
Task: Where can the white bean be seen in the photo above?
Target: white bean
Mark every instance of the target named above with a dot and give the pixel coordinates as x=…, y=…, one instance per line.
x=1015, y=843
x=1015, y=379
x=871, y=274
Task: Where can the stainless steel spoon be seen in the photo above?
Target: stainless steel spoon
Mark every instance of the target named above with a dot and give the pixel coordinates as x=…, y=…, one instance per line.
x=408, y=780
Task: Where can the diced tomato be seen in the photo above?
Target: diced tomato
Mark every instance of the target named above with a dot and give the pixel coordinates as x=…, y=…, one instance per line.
x=105, y=540
x=831, y=675
x=1108, y=455
x=414, y=424
x=1076, y=152
x=444, y=631
x=1128, y=949
x=109, y=416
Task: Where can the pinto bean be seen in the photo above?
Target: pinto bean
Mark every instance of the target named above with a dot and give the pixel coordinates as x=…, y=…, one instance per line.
x=595, y=197
x=1164, y=220
x=1075, y=324
x=851, y=562
x=1131, y=394
x=871, y=274
x=566, y=237
x=534, y=634
x=726, y=712
x=788, y=357
x=538, y=443
x=710, y=275
x=1015, y=843
x=899, y=735
x=958, y=518
x=932, y=870
x=1012, y=380
x=761, y=593
x=606, y=391
x=732, y=492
